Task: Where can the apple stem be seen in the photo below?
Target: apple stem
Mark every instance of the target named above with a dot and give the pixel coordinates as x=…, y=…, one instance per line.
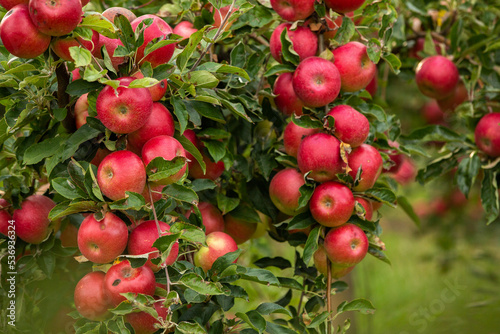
x=329, y=294
x=217, y=34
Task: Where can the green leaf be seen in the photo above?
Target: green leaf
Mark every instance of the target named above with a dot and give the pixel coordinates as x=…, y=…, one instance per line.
x=196, y=283
x=67, y=208
x=270, y=308
x=181, y=193
x=254, y=319
x=278, y=69
x=66, y=188
x=245, y=213
x=160, y=169
x=393, y=62
x=360, y=305
x=47, y=262
x=206, y=110
x=238, y=55
x=301, y=221
x=288, y=53
x=223, y=262
x=378, y=254
x=346, y=31
x=311, y=245
x=467, y=172
x=96, y=22
x=489, y=195
x=406, y=206
x=225, y=69
x=306, y=192
x=384, y=195
x=190, y=328
x=308, y=122
x=216, y=149
x=133, y=201
x=435, y=133
x=273, y=328
x=190, y=232
x=318, y=320
x=81, y=56
x=277, y=262
x=80, y=87
x=39, y=151
x=202, y=79
x=262, y=276
x=190, y=48
x=237, y=109
x=180, y=112
x=226, y=204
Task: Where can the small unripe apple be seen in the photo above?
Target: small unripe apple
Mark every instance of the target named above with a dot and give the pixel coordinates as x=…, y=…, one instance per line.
x=351, y=126
x=355, y=67
x=332, y=204
x=437, y=77
x=286, y=100
x=218, y=244
x=304, y=41
x=487, y=134
x=346, y=245
x=91, y=300
x=293, y=10
x=369, y=159
x=55, y=17
x=284, y=190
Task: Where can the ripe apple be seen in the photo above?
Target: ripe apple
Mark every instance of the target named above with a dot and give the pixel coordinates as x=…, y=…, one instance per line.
x=122, y=278
x=213, y=169
x=351, y=126
x=5, y=216
x=9, y=4
x=284, y=190
x=27, y=42
x=91, y=300
x=211, y=217
x=419, y=46
x=451, y=102
x=432, y=113
x=332, y=204
x=218, y=244
x=355, y=67
x=69, y=236
x=111, y=44
x=144, y=323
x=61, y=45
x=104, y=240
x=156, y=193
x=319, y=153
x=304, y=41
x=220, y=15
x=168, y=148
x=286, y=100
x=320, y=264
x=158, y=29
x=141, y=241
x=55, y=17
x=184, y=29
x=487, y=134
x=369, y=159
x=124, y=110
x=316, y=81
x=367, y=205
x=119, y=172
x=239, y=229
x=99, y=156
x=293, y=10
x=157, y=91
x=111, y=13
x=160, y=122
x=344, y=6
x=437, y=77
x=346, y=245
x=81, y=110
x=406, y=172
x=293, y=135
x=32, y=219
x=372, y=87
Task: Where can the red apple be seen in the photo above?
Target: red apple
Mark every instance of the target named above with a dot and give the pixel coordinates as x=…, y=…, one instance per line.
x=332, y=204
x=220, y=15
x=156, y=193
x=124, y=110
x=346, y=245
x=367, y=205
x=211, y=218
x=119, y=172
x=5, y=217
x=293, y=10
x=304, y=41
x=91, y=300
x=184, y=29
x=104, y=240
x=286, y=100
x=55, y=17
x=111, y=44
x=316, y=82
x=284, y=191
x=239, y=229
x=144, y=323
x=451, y=102
x=406, y=172
x=419, y=46
x=141, y=241
x=168, y=148
x=69, y=236
x=81, y=110
x=372, y=87
x=158, y=29
x=32, y=219
x=213, y=169
x=122, y=278
x=437, y=77
x=111, y=13
x=76, y=74
x=369, y=159
x=355, y=67
x=9, y=4
x=157, y=91
x=160, y=122
x=319, y=154
x=487, y=134
x=351, y=126
x=99, y=156
x=432, y=113
x=344, y=6
x=320, y=264
x=61, y=45
x=218, y=244
x=27, y=42
x=293, y=135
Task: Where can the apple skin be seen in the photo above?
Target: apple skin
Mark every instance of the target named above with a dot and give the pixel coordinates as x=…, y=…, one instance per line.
x=55, y=17
x=219, y=244
x=111, y=44
x=286, y=100
x=158, y=29
x=351, y=126
x=69, y=236
x=160, y=122
x=157, y=91
x=122, y=278
x=32, y=219
x=81, y=110
x=369, y=159
x=143, y=323
x=419, y=46
x=102, y=241
x=437, y=77
x=487, y=134
x=346, y=245
x=240, y=230
x=184, y=29
x=320, y=154
x=406, y=172
x=141, y=241
x=9, y=4
x=211, y=217
x=155, y=193
x=61, y=45
x=111, y=13
x=220, y=15
x=355, y=67
x=119, y=172
x=367, y=205
x=332, y=204
x=99, y=156
x=293, y=135
x=316, y=81
x=293, y=10
x=372, y=87
x=320, y=264
x=376, y=205
x=344, y=6
x=90, y=298
x=213, y=169
x=75, y=74
x=27, y=42
x=284, y=191
x=167, y=147
x=450, y=103
x=432, y=113
x=304, y=41
x=5, y=216
x=125, y=111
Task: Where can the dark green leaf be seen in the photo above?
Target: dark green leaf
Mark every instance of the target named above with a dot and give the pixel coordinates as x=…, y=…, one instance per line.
x=489, y=196
x=181, y=193
x=406, y=206
x=277, y=262
x=360, y=305
x=467, y=172
x=311, y=244
x=254, y=320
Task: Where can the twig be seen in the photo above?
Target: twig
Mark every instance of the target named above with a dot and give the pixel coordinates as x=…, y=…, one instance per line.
x=63, y=97
x=329, y=294
x=143, y=5
x=385, y=80
x=259, y=39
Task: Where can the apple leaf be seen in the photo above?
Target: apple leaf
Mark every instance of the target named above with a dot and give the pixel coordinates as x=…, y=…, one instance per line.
x=261, y=276
x=160, y=169
x=190, y=328
x=384, y=195
x=360, y=305
x=311, y=245
x=222, y=263
x=280, y=68
x=202, y=79
x=277, y=262
x=306, y=192
x=307, y=121
x=288, y=54
x=189, y=232
x=181, y=112
x=96, y=22
x=194, y=41
x=379, y=254
x=181, y=193
x=301, y=221
x=81, y=56
x=393, y=62
x=226, y=204
x=345, y=32
x=66, y=188
x=319, y=319
x=467, y=172
x=406, y=206
x=270, y=308
x=196, y=283
x=254, y=319
x=67, y=208
x=489, y=196
x=133, y=201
